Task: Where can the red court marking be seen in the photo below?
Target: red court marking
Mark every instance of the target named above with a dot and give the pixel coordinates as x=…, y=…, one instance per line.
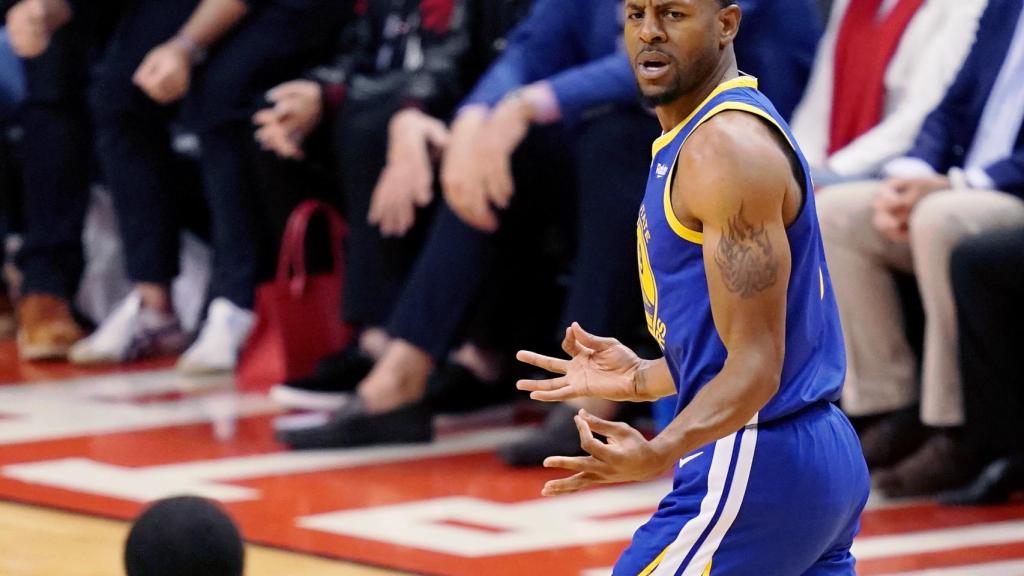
x=14, y=371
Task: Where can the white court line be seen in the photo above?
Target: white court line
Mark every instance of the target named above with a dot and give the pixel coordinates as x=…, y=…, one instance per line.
x=938, y=540
x=1010, y=568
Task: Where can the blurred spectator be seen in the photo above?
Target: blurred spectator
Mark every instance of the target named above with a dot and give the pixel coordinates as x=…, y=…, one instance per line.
x=400, y=68
x=152, y=63
x=55, y=158
x=882, y=66
x=559, y=65
x=988, y=279
x=12, y=78
x=964, y=176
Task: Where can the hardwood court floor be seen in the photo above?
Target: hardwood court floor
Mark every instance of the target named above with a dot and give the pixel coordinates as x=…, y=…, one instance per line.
x=39, y=542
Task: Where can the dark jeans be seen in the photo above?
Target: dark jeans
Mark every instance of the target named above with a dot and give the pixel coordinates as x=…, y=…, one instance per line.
x=988, y=280
x=272, y=45
x=55, y=156
x=609, y=166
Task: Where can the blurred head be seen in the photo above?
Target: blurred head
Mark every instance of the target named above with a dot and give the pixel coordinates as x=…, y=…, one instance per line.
x=675, y=45
x=184, y=535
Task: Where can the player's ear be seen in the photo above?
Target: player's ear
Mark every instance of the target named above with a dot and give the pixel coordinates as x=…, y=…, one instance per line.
x=729, y=24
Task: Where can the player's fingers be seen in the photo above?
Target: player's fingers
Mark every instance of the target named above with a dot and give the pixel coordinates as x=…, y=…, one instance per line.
x=587, y=339
x=556, y=365
x=542, y=385
x=591, y=445
x=574, y=483
x=574, y=463
x=604, y=427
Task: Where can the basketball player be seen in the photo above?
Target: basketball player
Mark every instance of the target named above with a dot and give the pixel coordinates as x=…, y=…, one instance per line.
x=768, y=475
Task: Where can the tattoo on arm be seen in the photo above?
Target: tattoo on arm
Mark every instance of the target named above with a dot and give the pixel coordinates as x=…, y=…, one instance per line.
x=746, y=258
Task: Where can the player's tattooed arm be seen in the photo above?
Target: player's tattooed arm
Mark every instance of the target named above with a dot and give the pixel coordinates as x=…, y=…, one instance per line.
x=745, y=257
x=734, y=177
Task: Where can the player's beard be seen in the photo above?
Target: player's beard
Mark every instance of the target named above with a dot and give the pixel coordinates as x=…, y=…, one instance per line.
x=667, y=96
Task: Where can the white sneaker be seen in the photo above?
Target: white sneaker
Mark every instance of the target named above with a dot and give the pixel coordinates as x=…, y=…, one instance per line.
x=130, y=332
x=223, y=334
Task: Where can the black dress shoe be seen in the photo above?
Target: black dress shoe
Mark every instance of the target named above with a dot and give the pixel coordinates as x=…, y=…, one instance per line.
x=353, y=426
x=454, y=389
x=330, y=386
x=558, y=436
x=995, y=485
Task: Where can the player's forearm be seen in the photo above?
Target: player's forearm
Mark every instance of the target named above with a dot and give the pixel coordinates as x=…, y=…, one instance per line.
x=211, y=20
x=726, y=404
x=653, y=381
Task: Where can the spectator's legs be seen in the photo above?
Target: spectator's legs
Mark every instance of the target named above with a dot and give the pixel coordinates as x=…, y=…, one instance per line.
x=988, y=278
x=880, y=374
x=134, y=147
x=376, y=266
x=273, y=45
x=55, y=160
x=938, y=223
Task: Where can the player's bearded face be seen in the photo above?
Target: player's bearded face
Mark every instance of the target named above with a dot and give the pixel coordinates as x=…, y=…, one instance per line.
x=673, y=46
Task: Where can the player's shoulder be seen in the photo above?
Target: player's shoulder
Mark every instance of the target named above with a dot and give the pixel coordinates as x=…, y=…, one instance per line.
x=732, y=157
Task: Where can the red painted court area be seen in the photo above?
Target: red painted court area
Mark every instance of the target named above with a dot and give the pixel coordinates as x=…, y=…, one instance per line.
x=107, y=443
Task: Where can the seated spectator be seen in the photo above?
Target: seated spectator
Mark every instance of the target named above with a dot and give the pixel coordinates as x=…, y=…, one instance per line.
x=54, y=156
x=557, y=66
x=988, y=279
x=964, y=176
x=159, y=56
x=882, y=66
x=382, y=97
x=12, y=77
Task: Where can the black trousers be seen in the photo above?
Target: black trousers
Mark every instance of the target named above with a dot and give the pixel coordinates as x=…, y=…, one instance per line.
x=988, y=281
x=272, y=45
x=55, y=156
x=607, y=168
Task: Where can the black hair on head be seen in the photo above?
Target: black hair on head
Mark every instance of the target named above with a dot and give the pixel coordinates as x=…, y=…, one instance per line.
x=726, y=3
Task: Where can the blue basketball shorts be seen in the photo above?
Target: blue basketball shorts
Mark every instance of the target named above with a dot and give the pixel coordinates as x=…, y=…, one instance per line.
x=780, y=498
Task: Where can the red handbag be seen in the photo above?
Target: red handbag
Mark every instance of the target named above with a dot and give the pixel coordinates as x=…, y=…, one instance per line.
x=298, y=316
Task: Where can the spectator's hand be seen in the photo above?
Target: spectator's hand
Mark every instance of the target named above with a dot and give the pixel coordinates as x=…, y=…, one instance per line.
x=626, y=457
x=598, y=368
x=298, y=107
x=407, y=180
x=31, y=24
x=165, y=73
x=505, y=130
x=461, y=177
x=891, y=217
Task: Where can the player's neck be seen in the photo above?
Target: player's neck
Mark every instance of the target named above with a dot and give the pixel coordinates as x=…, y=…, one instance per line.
x=671, y=114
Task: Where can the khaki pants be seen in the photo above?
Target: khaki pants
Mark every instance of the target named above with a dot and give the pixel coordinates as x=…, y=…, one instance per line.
x=880, y=364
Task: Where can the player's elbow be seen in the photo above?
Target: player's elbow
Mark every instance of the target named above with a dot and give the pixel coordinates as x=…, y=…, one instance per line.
x=762, y=370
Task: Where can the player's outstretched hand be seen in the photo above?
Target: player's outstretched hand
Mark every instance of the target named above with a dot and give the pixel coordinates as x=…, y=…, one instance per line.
x=626, y=457
x=598, y=368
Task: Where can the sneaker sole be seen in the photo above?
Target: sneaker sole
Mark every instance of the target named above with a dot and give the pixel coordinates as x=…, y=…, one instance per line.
x=304, y=400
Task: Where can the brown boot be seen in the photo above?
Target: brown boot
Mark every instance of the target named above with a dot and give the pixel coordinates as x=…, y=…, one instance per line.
x=941, y=464
x=46, y=329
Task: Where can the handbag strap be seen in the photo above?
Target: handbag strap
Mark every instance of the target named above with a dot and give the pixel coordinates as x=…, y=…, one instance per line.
x=291, y=264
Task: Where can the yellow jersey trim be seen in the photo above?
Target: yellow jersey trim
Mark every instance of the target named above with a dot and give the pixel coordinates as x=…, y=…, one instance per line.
x=740, y=82
x=678, y=227
x=707, y=571
x=654, y=564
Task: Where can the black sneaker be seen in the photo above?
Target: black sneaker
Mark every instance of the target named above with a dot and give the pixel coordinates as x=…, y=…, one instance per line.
x=351, y=427
x=330, y=386
x=454, y=389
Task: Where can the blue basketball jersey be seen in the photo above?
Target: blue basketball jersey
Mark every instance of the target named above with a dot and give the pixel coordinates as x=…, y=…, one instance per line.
x=675, y=289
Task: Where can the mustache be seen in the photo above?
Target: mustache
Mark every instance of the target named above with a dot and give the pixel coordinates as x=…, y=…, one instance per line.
x=647, y=49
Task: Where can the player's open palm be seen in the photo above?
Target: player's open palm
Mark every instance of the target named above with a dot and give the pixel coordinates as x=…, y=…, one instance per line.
x=598, y=368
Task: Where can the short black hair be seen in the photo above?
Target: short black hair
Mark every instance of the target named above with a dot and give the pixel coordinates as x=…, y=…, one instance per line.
x=726, y=3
